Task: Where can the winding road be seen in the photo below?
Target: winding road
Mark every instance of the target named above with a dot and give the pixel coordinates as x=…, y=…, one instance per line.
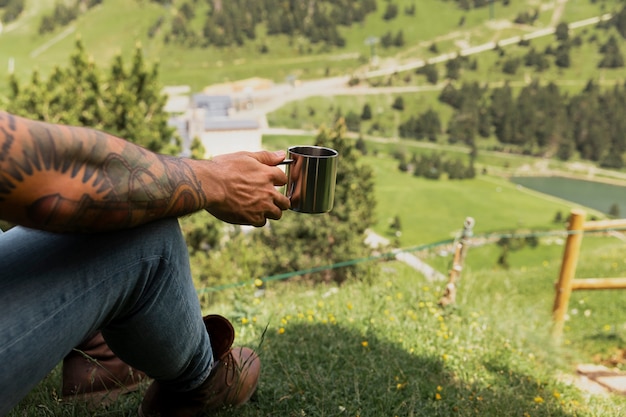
x=280, y=94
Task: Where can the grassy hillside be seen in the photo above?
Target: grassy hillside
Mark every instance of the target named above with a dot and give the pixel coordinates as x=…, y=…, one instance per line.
x=117, y=25
x=431, y=211
x=384, y=348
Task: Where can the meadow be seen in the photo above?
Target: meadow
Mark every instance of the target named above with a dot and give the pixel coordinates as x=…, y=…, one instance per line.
x=384, y=347
x=117, y=26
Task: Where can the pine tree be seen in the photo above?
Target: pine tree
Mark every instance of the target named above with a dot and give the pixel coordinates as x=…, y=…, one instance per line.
x=125, y=103
x=301, y=241
x=366, y=114
x=398, y=103
x=562, y=32
x=612, y=55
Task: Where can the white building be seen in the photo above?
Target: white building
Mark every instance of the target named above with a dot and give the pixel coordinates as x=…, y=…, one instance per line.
x=209, y=118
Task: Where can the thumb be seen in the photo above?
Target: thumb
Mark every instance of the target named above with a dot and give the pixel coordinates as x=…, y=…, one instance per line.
x=269, y=158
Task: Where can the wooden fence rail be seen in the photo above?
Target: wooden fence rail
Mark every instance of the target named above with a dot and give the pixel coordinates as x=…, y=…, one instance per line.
x=567, y=281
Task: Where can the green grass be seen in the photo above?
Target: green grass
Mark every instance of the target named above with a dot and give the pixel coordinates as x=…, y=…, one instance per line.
x=435, y=210
x=386, y=349
x=383, y=347
x=118, y=25
x=432, y=211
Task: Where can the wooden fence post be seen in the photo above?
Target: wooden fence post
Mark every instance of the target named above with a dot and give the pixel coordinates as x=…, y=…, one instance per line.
x=460, y=250
x=568, y=270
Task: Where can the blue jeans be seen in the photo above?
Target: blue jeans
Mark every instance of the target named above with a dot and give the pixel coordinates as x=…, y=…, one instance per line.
x=134, y=285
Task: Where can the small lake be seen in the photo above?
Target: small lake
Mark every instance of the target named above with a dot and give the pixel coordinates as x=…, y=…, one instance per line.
x=596, y=195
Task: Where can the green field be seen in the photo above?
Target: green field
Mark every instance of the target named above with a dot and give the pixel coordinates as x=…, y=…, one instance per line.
x=436, y=210
x=118, y=25
x=382, y=346
x=490, y=354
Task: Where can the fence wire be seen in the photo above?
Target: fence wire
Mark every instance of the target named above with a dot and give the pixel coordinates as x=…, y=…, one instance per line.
x=490, y=236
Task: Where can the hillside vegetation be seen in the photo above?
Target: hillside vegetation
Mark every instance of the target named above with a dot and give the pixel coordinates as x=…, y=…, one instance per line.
x=115, y=26
x=370, y=339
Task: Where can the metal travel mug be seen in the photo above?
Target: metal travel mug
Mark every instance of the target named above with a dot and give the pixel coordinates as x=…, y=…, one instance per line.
x=312, y=174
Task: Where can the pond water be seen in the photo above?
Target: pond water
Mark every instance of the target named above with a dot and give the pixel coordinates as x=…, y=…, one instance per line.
x=596, y=195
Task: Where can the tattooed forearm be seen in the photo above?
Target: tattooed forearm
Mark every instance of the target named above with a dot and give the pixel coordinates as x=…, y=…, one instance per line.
x=68, y=178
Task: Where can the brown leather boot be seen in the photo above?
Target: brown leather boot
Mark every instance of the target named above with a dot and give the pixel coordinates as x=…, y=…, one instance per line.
x=92, y=373
x=232, y=381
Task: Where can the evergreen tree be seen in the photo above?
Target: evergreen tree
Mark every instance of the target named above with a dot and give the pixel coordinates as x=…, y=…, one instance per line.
x=502, y=112
x=398, y=103
x=562, y=32
x=619, y=20
x=361, y=145
x=399, y=39
x=391, y=11
x=463, y=126
x=612, y=160
x=125, y=103
x=612, y=55
x=386, y=40
x=511, y=65
x=353, y=122
x=453, y=68
x=303, y=241
x=12, y=10
x=366, y=114
x=562, y=56
x=431, y=73
x=197, y=149
x=449, y=95
x=431, y=124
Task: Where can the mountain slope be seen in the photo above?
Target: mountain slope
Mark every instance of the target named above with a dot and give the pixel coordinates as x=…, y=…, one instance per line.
x=116, y=26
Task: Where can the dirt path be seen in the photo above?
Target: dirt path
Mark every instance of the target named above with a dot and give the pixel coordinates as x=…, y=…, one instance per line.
x=280, y=94
x=558, y=12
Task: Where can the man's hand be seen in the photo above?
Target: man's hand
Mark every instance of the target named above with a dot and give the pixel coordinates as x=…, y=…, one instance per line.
x=241, y=187
x=67, y=179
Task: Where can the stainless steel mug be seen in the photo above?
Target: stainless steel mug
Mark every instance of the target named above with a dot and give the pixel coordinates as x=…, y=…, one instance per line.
x=312, y=175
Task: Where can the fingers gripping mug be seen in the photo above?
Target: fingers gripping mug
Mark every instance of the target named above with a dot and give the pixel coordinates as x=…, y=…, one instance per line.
x=311, y=177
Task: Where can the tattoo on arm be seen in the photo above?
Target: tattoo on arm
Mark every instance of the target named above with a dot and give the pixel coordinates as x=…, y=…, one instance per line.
x=102, y=182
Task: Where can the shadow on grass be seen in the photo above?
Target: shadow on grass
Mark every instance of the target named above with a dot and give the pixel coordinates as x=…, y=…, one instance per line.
x=329, y=370
x=45, y=401
x=325, y=370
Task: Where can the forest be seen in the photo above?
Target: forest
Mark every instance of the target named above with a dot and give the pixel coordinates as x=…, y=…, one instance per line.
x=540, y=120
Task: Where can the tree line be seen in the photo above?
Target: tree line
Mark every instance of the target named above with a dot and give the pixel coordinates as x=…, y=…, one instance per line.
x=63, y=14
x=11, y=9
x=539, y=120
x=232, y=23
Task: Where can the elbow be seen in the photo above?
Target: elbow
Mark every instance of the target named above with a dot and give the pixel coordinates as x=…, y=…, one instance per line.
x=52, y=212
